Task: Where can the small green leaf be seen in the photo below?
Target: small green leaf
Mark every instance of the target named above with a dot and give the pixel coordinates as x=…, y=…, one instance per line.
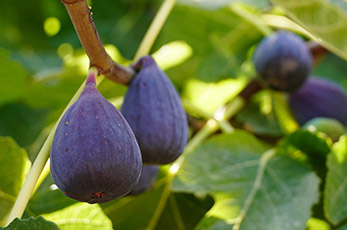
x=14, y=165
x=335, y=198
x=252, y=189
x=309, y=142
x=327, y=22
x=12, y=78
x=80, y=216
x=31, y=223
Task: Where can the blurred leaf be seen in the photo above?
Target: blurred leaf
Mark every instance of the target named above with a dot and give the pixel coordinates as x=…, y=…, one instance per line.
x=220, y=40
x=212, y=4
x=14, y=165
x=121, y=211
x=199, y=94
x=344, y=227
x=21, y=122
x=181, y=211
x=172, y=54
x=47, y=199
x=80, y=216
x=335, y=194
x=12, y=77
x=31, y=223
x=324, y=20
x=212, y=223
x=339, y=67
x=309, y=142
x=317, y=224
x=259, y=116
x=254, y=189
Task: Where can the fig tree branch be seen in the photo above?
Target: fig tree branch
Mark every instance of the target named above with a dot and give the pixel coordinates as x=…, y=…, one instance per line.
x=83, y=22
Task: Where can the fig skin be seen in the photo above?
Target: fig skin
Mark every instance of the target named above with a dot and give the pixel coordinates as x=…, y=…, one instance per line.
x=319, y=98
x=283, y=61
x=94, y=156
x=154, y=111
x=149, y=174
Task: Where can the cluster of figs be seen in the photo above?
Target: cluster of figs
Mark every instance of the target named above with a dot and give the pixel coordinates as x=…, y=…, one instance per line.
x=284, y=62
x=99, y=153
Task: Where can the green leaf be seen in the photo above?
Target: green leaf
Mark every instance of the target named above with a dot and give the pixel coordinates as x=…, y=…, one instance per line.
x=212, y=223
x=47, y=199
x=178, y=211
x=212, y=4
x=14, y=165
x=21, y=122
x=259, y=117
x=12, y=78
x=80, y=216
x=31, y=223
x=327, y=22
x=335, y=197
x=309, y=142
x=252, y=189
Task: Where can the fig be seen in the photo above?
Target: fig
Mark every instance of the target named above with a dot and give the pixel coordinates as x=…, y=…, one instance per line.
x=319, y=98
x=149, y=174
x=331, y=127
x=283, y=61
x=154, y=111
x=95, y=157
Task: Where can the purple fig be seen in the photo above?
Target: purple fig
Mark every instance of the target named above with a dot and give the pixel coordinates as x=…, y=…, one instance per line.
x=154, y=111
x=283, y=61
x=94, y=156
x=319, y=98
x=149, y=174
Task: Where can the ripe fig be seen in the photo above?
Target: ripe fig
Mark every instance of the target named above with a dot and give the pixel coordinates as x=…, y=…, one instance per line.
x=319, y=98
x=149, y=174
x=154, y=111
x=331, y=127
x=283, y=61
x=94, y=156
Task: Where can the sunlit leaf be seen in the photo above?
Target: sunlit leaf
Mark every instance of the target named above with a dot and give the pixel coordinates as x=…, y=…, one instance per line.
x=253, y=188
x=31, y=223
x=327, y=22
x=14, y=165
x=335, y=199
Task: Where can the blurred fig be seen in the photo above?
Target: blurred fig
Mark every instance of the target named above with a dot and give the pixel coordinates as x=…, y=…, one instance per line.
x=94, y=156
x=331, y=127
x=154, y=111
x=283, y=61
x=149, y=174
x=319, y=98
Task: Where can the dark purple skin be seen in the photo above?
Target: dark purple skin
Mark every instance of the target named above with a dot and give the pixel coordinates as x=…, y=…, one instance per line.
x=154, y=111
x=94, y=156
x=319, y=98
x=283, y=61
x=149, y=174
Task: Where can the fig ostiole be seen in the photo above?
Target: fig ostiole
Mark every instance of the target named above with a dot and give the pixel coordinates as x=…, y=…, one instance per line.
x=154, y=111
x=95, y=157
x=319, y=98
x=283, y=61
x=149, y=174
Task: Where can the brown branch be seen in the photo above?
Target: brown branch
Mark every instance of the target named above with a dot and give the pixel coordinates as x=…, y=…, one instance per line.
x=83, y=22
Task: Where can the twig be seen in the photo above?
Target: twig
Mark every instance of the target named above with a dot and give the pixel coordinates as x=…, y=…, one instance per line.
x=83, y=22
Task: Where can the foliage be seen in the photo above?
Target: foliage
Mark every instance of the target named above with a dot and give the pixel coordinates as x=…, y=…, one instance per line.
x=264, y=174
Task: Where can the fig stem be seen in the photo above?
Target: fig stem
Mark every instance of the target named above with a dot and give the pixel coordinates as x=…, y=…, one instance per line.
x=39, y=164
x=154, y=29
x=82, y=20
